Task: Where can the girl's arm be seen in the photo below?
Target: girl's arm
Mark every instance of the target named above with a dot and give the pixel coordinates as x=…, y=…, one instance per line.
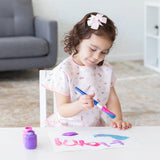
x=68, y=109
x=114, y=106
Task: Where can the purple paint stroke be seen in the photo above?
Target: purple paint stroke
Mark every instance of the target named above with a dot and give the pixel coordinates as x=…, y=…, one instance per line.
x=105, y=144
x=70, y=134
x=117, y=141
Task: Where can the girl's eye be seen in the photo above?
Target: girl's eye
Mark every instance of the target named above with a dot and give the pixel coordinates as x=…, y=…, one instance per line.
x=105, y=52
x=93, y=49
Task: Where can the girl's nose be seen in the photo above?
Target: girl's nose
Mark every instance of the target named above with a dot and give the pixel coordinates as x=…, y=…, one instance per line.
x=97, y=55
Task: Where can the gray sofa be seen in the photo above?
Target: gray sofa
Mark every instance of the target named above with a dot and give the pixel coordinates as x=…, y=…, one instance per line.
x=26, y=42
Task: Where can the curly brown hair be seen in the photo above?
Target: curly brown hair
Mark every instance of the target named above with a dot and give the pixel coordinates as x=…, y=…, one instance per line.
x=81, y=31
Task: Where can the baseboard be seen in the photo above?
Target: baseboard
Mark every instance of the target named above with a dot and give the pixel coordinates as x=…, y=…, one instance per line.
x=124, y=57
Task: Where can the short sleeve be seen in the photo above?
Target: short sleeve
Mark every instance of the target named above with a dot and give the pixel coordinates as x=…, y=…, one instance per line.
x=57, y=81
x=113, y=79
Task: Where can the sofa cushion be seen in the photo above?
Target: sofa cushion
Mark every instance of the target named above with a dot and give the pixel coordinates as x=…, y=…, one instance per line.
x=23, y=47
x=16, y=18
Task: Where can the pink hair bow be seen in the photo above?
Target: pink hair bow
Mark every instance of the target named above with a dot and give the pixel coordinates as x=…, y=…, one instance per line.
x=96, y=20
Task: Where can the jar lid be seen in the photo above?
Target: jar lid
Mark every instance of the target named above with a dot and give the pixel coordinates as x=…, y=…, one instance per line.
x=30, y=132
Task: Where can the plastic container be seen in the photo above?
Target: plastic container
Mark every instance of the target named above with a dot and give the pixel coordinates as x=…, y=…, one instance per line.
x=30, y=140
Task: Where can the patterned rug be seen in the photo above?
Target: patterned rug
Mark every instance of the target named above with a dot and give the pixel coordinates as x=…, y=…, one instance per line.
x=138, y=89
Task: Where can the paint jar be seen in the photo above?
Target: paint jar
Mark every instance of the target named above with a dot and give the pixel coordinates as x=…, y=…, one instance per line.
x=25, y=131
x=30, y=140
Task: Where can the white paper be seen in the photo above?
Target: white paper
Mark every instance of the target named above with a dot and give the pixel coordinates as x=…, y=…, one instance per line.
x=90, y=138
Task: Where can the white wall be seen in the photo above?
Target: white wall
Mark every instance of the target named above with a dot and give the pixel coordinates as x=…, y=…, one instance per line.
x=128, y=16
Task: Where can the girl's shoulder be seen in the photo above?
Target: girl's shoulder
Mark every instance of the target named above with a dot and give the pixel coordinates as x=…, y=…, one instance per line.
x=64, y=65
x=107, y=66
x=105, y=69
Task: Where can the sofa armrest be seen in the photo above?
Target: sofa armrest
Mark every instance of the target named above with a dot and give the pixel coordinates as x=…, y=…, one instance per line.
x=47, y=29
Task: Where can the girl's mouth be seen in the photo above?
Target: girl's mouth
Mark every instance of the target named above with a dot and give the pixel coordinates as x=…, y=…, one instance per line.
x=92, y=62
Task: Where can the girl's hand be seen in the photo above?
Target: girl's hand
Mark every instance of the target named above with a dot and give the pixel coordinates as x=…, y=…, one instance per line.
x=86, y=101
x=121, y=125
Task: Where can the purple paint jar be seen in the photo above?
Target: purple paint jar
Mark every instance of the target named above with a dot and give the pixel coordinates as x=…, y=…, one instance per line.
x=30, y=140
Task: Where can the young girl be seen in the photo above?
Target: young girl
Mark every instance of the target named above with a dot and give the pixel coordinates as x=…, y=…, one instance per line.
x=88, y=43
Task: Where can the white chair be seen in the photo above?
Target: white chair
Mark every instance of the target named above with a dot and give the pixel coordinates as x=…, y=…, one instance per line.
x=43, y=97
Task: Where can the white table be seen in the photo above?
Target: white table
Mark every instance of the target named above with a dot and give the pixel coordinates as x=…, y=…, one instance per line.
x=11, y=147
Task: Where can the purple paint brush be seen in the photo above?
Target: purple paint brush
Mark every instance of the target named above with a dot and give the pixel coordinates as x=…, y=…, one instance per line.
x=104, y=109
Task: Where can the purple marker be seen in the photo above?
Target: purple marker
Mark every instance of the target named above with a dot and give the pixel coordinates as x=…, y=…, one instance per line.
x=104, y=109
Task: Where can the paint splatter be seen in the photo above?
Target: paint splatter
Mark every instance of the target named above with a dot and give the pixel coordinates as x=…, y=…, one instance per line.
x=99, y=75
x=72, y=73
x=113, y=136
x=70, y=134
x=81, y=77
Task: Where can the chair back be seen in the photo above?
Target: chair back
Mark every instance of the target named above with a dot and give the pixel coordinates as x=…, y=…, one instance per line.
x=43, y=97
x=16, y=18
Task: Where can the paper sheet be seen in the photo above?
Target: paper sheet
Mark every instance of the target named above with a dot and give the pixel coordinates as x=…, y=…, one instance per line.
x=89, y=138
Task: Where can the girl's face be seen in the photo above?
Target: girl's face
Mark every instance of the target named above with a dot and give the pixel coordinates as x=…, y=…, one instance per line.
x=92, y=51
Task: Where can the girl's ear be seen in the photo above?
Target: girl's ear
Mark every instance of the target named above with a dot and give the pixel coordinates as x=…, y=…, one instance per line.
x=77, y=48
